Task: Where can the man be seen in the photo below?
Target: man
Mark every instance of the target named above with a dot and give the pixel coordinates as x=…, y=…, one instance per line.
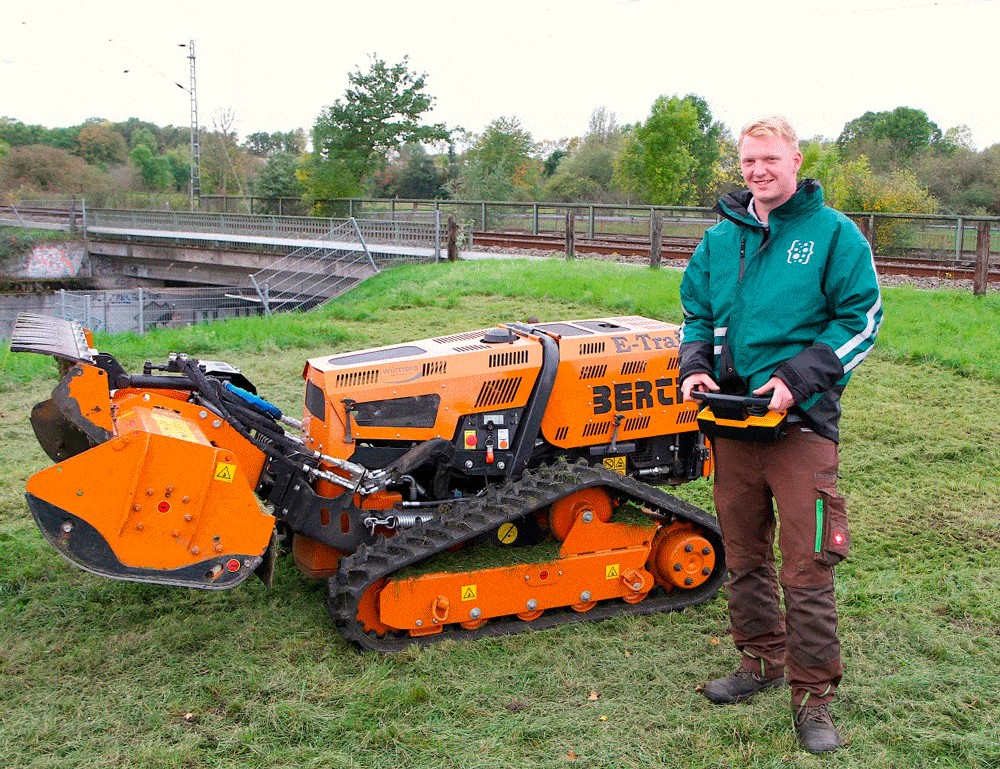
x=781, y=300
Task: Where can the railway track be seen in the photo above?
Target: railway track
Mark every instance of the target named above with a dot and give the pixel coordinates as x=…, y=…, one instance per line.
x=682, y=248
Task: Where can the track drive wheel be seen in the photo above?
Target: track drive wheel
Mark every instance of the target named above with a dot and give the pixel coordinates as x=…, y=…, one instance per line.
x=681, y=557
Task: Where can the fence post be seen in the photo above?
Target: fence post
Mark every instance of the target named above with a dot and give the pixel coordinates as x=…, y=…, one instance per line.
x=484, y=216
x=142, y=314
x=437, y=233
x=981, y=277
x=534, y=218
x=570, y=234
x=959, y=239
x=655, y=237
x=452, y=238
x=590, y=226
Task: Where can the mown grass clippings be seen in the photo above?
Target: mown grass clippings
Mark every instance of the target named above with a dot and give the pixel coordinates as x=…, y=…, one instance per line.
x=96, y=673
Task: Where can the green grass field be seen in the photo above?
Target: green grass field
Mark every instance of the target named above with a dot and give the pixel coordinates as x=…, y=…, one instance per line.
x=96, y=673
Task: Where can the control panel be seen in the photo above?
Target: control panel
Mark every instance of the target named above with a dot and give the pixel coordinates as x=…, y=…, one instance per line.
x=485, y=442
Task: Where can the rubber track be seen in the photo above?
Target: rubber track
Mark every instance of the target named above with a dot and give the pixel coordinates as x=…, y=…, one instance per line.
x=469, y=518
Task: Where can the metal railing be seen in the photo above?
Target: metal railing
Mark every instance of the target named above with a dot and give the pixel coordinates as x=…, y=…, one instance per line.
x=429, y=234
x=311, y=276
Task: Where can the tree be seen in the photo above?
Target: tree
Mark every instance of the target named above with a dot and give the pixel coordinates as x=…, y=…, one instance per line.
x=17, y=134
x=820, y=161
x=278, y=179
x=99, y=144
x=155, y=171
x=412, y=174
x=889, y=139
x=381, y=110
x=128, y=129
x=264, y=144
x=587, y=174
x=44, y=169
x=706, y=152
x=966, y=181
x=671, y=158
x=499, y=165
x=144, y=137
x=224, y=164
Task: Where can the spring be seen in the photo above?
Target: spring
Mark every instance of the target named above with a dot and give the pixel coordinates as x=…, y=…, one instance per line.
x=405, y=520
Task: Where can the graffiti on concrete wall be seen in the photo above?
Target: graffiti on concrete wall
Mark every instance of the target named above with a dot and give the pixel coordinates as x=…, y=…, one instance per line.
x=63, y=260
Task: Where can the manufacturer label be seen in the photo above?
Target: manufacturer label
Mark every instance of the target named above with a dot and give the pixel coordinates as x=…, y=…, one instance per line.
x=225, y=472
x=470, y=592
x=615, y=463
x=173, y=427
x=612, y=571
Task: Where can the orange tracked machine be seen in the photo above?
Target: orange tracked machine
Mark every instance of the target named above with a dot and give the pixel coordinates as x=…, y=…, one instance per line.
x=474, y=484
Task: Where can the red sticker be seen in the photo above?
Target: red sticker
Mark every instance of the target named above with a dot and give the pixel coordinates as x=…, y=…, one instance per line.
x=838, y=538
x=233, y=565
x=163, y=507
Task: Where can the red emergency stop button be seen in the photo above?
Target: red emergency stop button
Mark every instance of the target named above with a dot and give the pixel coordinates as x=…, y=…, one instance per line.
x=470, y=439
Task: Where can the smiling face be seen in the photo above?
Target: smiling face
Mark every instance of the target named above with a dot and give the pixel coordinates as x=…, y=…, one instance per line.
x=770, y=167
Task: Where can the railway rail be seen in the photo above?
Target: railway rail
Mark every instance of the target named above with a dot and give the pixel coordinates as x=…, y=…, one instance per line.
x=682, y=248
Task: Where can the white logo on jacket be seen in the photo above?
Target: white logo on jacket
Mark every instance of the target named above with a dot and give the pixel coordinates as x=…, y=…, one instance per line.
x=800, y=252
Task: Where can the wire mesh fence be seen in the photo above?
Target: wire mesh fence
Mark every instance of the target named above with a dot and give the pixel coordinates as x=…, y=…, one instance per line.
x=311, y=276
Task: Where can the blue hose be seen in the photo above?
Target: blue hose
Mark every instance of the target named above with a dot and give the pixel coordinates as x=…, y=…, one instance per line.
x=258, y=403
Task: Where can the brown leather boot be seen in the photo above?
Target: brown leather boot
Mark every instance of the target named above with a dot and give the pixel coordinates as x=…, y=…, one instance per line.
x=815, y=729
x=738, y=686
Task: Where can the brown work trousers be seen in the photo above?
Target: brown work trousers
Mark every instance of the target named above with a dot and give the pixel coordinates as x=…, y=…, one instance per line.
x=799, y=473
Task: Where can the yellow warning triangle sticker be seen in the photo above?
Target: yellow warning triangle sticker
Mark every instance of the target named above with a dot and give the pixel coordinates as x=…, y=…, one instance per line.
x=225, y=472
x=611, y=571
x=469, y=592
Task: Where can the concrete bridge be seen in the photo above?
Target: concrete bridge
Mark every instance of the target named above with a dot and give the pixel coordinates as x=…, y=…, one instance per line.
x=147, y=268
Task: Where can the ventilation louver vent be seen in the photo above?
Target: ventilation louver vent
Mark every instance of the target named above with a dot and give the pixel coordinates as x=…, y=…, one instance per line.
x=672, y=361
x=435, y=367
x=498, y=392
x=561, y=433
x=597, y=428
x=593, y=372
x=633, y=367
x=513, y=358
x=467, y=336
x=637, y=321
x=470, y=348
x=687, y=417
x=357, y=378
x=591, y=348
x=636, y=423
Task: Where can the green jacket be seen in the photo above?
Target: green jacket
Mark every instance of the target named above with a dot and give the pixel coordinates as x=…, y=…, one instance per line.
x=798, y=299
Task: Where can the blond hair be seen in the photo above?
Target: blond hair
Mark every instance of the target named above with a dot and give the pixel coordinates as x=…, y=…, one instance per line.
x=770, y=125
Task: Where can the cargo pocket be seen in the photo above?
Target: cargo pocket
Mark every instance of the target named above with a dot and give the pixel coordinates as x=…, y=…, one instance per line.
x=833, y=538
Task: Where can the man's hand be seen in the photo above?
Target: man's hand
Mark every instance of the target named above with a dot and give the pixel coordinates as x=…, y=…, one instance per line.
x=699, y=383
x=781, y=396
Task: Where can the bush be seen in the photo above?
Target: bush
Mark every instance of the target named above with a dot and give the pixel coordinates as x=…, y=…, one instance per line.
x=855, y=187
x=12, y=246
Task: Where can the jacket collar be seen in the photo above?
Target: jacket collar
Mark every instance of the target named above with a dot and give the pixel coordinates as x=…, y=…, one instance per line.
x=808, y=197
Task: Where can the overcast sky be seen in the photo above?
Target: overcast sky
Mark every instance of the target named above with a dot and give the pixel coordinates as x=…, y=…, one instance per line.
x=550, y=63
